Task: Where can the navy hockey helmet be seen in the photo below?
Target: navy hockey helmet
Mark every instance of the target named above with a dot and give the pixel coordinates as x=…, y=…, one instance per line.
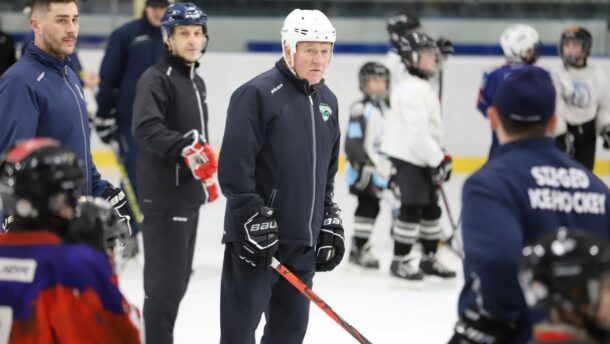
x=373, y=69
x=581, y=35
x=97, y=224
x=410, y=47
x=184, y=14
x=40, y=183
x=564, y=269
x=401, y=24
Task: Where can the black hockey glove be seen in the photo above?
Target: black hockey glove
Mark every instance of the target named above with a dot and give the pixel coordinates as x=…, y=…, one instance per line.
x=260, y=241
x=475, y=327
x=606, y=136
x=565, y=142
x=118, y=200
x=331, y=243
x=442, y=172
x=105, y=125
x=7, y=223
x=445, y=46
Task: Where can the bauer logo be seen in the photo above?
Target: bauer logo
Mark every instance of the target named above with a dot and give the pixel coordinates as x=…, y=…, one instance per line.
x=326, y=111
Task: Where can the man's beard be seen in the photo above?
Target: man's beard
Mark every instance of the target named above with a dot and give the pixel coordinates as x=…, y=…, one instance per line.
x=56, y=49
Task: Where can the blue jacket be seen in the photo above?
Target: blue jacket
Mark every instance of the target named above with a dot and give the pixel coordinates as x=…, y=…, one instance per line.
x=74, y=61
x=40, y=96
x=280, y=134
x=528, y=189
x=131, y=49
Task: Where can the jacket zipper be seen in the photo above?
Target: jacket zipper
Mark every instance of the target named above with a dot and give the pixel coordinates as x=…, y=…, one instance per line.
x=313, y=141
x=80, y=112
x=177, y=175
x=199, y=104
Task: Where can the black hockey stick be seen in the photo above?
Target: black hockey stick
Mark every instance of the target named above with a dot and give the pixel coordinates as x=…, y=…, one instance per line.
x=305, y=290
x=454, y=225
x=126, y=184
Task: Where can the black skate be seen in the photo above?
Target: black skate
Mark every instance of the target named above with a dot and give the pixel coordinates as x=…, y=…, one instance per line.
x=430, y=265
x=363, y=257
x=404, y=267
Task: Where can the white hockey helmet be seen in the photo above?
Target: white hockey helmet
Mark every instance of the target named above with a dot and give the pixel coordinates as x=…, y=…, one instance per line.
x=306, y=26
x=520, y=43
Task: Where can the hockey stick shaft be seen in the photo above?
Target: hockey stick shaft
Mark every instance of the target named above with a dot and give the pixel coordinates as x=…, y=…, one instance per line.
x=126, y=184
x=454, y=224
x=313, y=297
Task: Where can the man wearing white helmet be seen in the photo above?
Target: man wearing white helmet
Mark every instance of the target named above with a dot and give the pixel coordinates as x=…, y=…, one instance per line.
x=281, y=142
x=521, y=47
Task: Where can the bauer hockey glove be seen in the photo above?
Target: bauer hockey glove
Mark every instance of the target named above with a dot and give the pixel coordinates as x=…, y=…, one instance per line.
x=260, y=241
x=565, y=142
x=331, y=243
x=118, y=200
x=105, y=125
x=442, y=172
x=199, y=156
x=475, y=326
x=606, y=136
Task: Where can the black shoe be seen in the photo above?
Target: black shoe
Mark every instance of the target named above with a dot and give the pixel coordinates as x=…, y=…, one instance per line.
x=363, y=257
x=430, y=265
x=403, y=267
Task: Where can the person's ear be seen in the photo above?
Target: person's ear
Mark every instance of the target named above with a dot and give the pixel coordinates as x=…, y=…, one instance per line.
x=493, y=116
x=552, y=125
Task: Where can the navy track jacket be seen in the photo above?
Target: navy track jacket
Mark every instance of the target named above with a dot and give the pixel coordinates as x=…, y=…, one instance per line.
x=280, y=134
x=528, y=189
x=41, y=96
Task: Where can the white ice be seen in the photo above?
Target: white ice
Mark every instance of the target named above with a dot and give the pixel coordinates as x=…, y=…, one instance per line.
x=383, y=308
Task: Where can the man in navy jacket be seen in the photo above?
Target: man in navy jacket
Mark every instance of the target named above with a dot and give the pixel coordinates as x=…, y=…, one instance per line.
x=277, y=167
x=41, y=96
x=528, y=189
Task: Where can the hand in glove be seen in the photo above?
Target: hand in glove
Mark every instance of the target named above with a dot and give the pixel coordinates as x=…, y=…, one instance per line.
x=442, y=172
x=211, y=187
x=118, y=200
x=260, y=241
x=445, y=46
x=105, y=125
x=199, y=157
x=475, y=326
x=331, y=243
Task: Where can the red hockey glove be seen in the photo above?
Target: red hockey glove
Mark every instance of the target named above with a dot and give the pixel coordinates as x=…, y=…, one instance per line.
x=212, y=190
x=199, y=157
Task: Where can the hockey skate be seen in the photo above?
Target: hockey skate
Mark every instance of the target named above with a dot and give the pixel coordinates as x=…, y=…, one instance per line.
x=363, y=257
x=405, y=267
x=431, y=266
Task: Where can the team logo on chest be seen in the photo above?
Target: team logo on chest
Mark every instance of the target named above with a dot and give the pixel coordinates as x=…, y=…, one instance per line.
x=326, y=111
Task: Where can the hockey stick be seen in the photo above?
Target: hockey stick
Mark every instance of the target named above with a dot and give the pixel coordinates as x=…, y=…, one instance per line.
x=305, y=290
x=454, y=225
x=126, y=184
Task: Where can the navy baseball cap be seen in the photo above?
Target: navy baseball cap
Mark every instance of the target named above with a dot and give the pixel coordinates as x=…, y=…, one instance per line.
x=526, y=95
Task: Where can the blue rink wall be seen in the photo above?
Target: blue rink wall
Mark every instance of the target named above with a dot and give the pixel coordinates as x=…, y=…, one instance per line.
x=467, y=133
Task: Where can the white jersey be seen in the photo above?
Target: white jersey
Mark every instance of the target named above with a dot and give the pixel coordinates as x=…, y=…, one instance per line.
x=582, y=96
x=413, y=129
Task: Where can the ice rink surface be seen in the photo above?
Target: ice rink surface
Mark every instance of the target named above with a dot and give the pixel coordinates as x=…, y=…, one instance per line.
x=383, y=308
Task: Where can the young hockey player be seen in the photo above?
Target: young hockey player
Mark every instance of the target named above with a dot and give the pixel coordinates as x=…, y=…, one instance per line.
x=176, y=165
x=368, y=168
x=583, y=108
x=398, y=26
x=52, y=291
x=413, y=135
x=529, y=188
x=568, y=275
x=521, y=47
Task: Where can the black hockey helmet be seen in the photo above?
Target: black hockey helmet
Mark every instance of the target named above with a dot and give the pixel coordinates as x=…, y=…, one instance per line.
x=40, y=183
x=97, y=224
x=373, y=69
x=565, y=270
x=399, y=25
x=581, y=35
x=409, y=49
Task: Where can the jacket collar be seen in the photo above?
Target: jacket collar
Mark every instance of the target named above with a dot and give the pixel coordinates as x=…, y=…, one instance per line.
x=301, y=84
x=180, y=66
x=50, y=61
x=538, y=142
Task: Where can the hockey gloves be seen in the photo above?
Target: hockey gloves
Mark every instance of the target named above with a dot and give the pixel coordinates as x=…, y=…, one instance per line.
x=260, y=241
x=105, y=125
x=331, y=243
x=445, y=46
x=606, y=136
x=565, y=142
x=211, y=188
x=199, y=157
x=475, y=326
x=118, y=200
x=442, y=172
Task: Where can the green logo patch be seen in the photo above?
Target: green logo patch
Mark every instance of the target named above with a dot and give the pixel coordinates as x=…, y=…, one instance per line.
x=326, y=111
